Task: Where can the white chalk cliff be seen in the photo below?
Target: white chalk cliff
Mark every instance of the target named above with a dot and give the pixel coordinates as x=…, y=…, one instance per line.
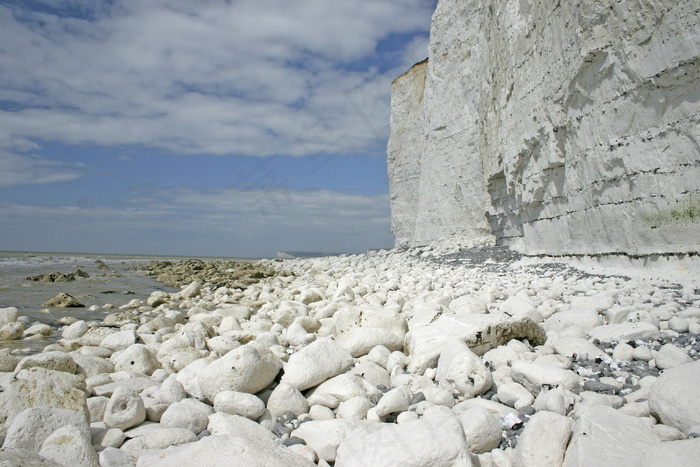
x=552, y=127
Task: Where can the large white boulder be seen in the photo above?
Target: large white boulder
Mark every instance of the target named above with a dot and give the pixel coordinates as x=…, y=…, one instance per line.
x=532, y=376
x=623, y=332
x=30, y=428
x=315, y=363
x=482, y=429
x=8, y=315
x=56, y=361
x=120, y=340
x=480, y=332
x=603, y=436
x=70, y=446
x=38, y=387
x=324, y=436
x=680, y=452
x=155, y=437
x=670, y=356
x=137, y=357
x=287, y=398
x=673, y=398
x=124, y=409
x=221, y=423
x=91, y=366
x=181, y=415
x=543, y=442
x=437, y=439
x=460, y=370
x=396, y=400
x=217, y=450
x=359, y=329
x=248, y=368
x=239, y=403
x=344, y=387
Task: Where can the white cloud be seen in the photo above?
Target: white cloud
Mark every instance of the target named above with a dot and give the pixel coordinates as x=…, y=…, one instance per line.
x=18, y=169
x=203, y=76
x=187, y=221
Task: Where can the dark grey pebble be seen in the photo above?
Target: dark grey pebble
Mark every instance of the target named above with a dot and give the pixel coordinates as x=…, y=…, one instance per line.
x=418, y=397
x=280, y=430
x=527, y=410
x=293, y=440
x=597, y=386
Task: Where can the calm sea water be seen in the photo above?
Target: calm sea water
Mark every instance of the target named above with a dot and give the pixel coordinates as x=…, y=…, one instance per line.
x=117, y=285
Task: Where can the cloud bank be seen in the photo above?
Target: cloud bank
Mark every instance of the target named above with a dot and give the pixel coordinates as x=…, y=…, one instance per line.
x=203, y=76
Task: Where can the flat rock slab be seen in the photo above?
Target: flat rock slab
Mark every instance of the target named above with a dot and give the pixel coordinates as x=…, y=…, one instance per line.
x=673, y=397
x=681, y=452
x=624, y=332
x=218, y=450
x=436, y=439
x=480, y=332
x=324, y=436
x=604, y=437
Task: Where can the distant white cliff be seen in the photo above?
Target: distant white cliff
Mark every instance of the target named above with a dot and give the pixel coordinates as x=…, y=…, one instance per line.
x=553, y=127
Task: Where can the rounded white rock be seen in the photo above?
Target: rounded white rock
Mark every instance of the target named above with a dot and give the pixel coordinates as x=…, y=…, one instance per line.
x=287, y=398
x=125, y=409
x=482, y=430
x=239, y=403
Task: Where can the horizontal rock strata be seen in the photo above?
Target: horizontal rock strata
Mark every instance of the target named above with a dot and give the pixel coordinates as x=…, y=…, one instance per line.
x=555, y=127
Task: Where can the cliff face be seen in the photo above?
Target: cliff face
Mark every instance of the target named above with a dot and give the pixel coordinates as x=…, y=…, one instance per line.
x=556, y=127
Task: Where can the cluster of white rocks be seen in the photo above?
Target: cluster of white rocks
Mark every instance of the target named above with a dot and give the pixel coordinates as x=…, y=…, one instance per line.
x=390, y=358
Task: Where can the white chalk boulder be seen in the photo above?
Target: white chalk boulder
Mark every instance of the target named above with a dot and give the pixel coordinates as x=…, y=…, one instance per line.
x=248, y=368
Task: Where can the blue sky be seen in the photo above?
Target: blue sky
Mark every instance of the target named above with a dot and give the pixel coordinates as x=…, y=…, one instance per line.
x=200, y=127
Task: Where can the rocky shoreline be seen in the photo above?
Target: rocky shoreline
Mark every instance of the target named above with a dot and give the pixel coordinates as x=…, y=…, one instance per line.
x=423, y=356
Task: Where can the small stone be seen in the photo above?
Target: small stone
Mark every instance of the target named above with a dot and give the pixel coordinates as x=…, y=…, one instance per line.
x=678, y=324
x=239, y=403
x=8, y=315
x=624, y=352
x=12, y=331
x=75, y=330
x=642, y=353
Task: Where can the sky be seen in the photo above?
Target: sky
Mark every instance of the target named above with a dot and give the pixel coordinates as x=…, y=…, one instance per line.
x=200, y=127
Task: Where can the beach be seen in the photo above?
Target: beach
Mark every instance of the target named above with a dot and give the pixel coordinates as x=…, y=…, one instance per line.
x=448, y=354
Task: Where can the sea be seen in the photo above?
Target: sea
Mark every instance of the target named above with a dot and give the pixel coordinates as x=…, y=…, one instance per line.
x=117, y=284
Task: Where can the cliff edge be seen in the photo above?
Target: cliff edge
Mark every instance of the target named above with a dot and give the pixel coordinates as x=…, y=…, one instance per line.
x=552, y=127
